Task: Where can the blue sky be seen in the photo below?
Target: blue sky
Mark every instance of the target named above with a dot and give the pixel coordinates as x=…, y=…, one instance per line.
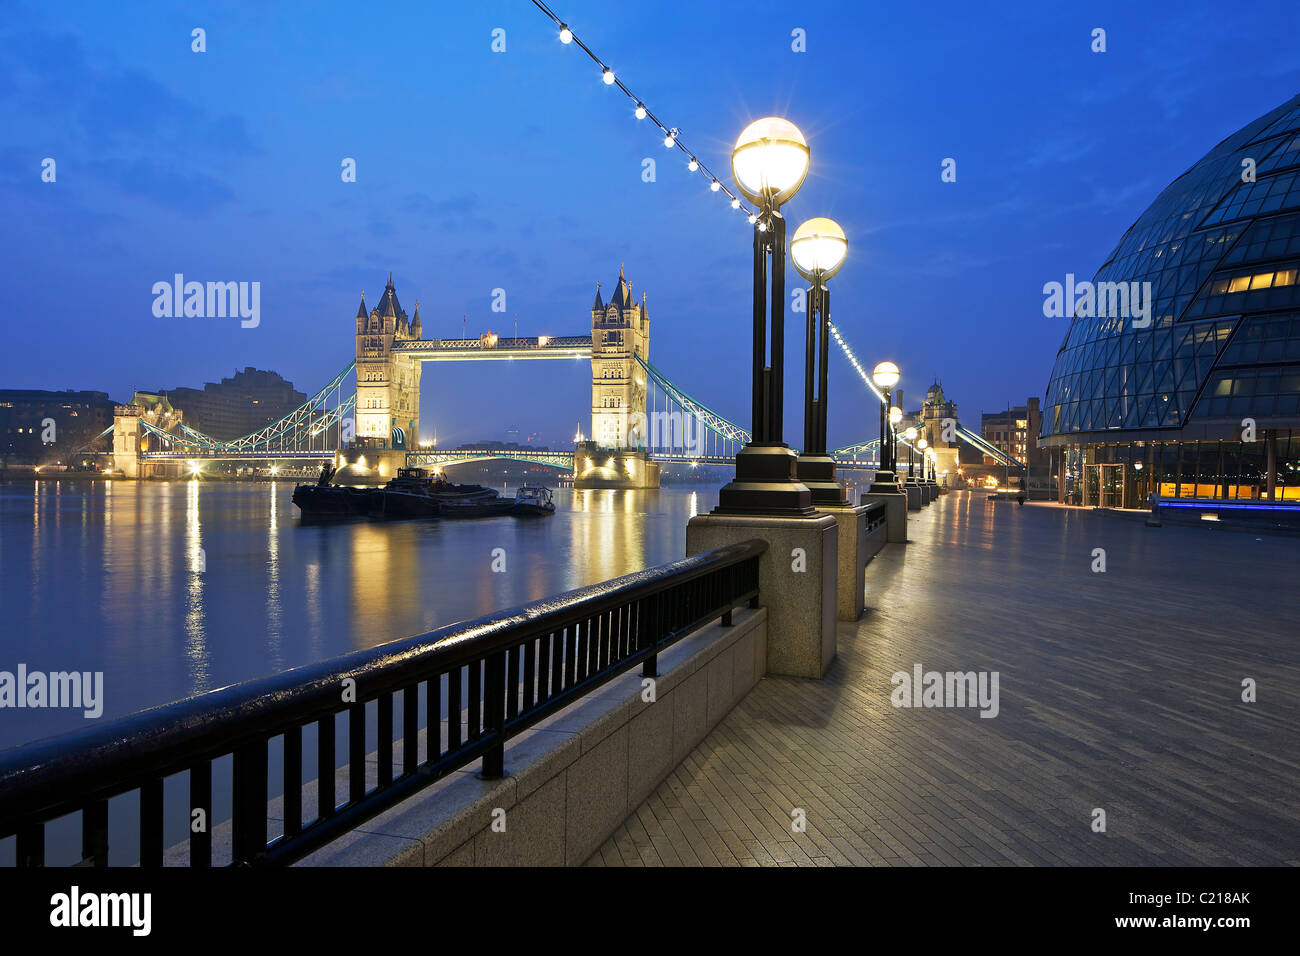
x=520, y=170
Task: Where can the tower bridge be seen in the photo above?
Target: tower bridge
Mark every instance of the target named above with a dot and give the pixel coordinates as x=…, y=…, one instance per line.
x=640, y=418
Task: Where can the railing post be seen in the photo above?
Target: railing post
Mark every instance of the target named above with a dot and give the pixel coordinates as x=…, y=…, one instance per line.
x=654, y=606
x=494, y=717
x=248, y=821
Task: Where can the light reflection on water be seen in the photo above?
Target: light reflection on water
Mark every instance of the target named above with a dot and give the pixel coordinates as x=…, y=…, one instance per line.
x=172, y=589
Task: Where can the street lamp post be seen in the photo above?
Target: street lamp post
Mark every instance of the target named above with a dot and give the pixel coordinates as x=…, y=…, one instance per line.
x=910, y=435
x=818, y=249
x=769, y=163
x=885, y=376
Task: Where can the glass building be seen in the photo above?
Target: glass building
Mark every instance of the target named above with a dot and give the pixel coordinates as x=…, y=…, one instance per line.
x=1197, y=393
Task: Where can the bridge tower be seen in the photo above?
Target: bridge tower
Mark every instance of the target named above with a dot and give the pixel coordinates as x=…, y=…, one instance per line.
x=936, y=410
x=615, y=455
x=388, y=382
x=620, y=331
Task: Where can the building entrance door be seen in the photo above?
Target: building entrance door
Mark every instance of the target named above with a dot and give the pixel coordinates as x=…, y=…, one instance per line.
x=1104, y=486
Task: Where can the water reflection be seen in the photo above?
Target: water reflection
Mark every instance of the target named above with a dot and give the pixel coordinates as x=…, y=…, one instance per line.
x=175, y=588
x=196, y=650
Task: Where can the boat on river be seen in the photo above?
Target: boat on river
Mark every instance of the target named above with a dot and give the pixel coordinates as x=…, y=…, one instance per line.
x=326, y=500
x=414, y=493
x=533, y=501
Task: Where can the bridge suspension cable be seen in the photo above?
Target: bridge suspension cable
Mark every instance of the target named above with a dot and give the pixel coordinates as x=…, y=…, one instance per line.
x=296, y=432
x=679, y=426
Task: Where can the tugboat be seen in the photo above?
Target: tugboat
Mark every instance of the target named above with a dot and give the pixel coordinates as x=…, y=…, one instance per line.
x=533, y=501
x=415, y=494
x=325, y=500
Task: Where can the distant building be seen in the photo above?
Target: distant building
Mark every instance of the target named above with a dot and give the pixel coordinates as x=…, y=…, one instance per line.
x=1014, y=432
x=78, y=419
x=238, y=405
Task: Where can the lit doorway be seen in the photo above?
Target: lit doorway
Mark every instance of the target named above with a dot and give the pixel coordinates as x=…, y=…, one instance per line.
x=1103, y=486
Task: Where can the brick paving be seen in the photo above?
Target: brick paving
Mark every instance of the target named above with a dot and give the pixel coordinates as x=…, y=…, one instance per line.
x=1118, y=690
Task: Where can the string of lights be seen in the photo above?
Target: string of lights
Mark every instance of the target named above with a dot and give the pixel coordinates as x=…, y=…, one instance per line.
x=672, y=139
x=672, y=135
x=853, y=360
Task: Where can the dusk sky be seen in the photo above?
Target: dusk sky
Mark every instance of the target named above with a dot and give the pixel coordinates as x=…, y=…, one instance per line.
x=520, y=170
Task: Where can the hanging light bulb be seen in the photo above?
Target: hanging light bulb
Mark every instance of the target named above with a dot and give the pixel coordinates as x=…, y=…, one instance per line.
x=693, y=165
x=640, y=111
x=762, y=226
x=670, y=139
x=608, y=76
x=566, y=35
x=752, y=219
x=735, y=204
x=714, y=186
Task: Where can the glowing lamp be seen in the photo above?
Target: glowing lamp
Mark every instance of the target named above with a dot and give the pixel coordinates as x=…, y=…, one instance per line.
x=770, y=161
x=818, y=249
x=885, y=376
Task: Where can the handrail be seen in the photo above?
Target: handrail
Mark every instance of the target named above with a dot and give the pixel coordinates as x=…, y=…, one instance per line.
x=557, y=649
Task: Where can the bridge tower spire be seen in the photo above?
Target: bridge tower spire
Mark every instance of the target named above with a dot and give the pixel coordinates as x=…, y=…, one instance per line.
x=388, y=380
x=620, y=432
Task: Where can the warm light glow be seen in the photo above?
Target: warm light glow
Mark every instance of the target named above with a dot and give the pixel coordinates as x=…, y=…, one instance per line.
x=770, y=160
x=885, y=375
x=714, y=186
x=640, y=111
x=895, y=415
x=735, y=204
x=818, y=248
x=910, y=433
x=669, y=140
x=608, y=76
x=922, y=444
x=566, y=35
x=543, y=339
x=693, y=165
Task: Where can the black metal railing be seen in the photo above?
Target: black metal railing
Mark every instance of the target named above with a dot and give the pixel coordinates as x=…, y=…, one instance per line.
x=493, y=677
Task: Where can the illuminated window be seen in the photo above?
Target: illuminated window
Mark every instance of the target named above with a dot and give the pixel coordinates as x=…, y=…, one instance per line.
x=1262, y=281
x=1239, y=284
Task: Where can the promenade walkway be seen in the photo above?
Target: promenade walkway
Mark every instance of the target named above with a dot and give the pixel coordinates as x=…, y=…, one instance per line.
x=1118, y=690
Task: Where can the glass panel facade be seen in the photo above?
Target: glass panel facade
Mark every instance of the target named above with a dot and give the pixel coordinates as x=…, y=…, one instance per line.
x=1222, y=256
x=1107, y=474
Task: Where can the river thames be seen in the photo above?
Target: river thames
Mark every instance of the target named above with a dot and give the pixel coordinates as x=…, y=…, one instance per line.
x=174, y=588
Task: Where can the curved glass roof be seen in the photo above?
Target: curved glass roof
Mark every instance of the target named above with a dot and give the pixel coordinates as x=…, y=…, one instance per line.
x=1222, y=255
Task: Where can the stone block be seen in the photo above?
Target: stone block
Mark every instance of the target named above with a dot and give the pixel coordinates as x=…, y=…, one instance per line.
x=798, y=588
x=596, y=796
x=851, y=524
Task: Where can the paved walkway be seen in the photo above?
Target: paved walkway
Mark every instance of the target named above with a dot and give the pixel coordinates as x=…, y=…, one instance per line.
x=1118, y=690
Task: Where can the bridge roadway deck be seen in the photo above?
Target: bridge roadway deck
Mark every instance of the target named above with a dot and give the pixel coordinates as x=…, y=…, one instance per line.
x=1118, y=690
